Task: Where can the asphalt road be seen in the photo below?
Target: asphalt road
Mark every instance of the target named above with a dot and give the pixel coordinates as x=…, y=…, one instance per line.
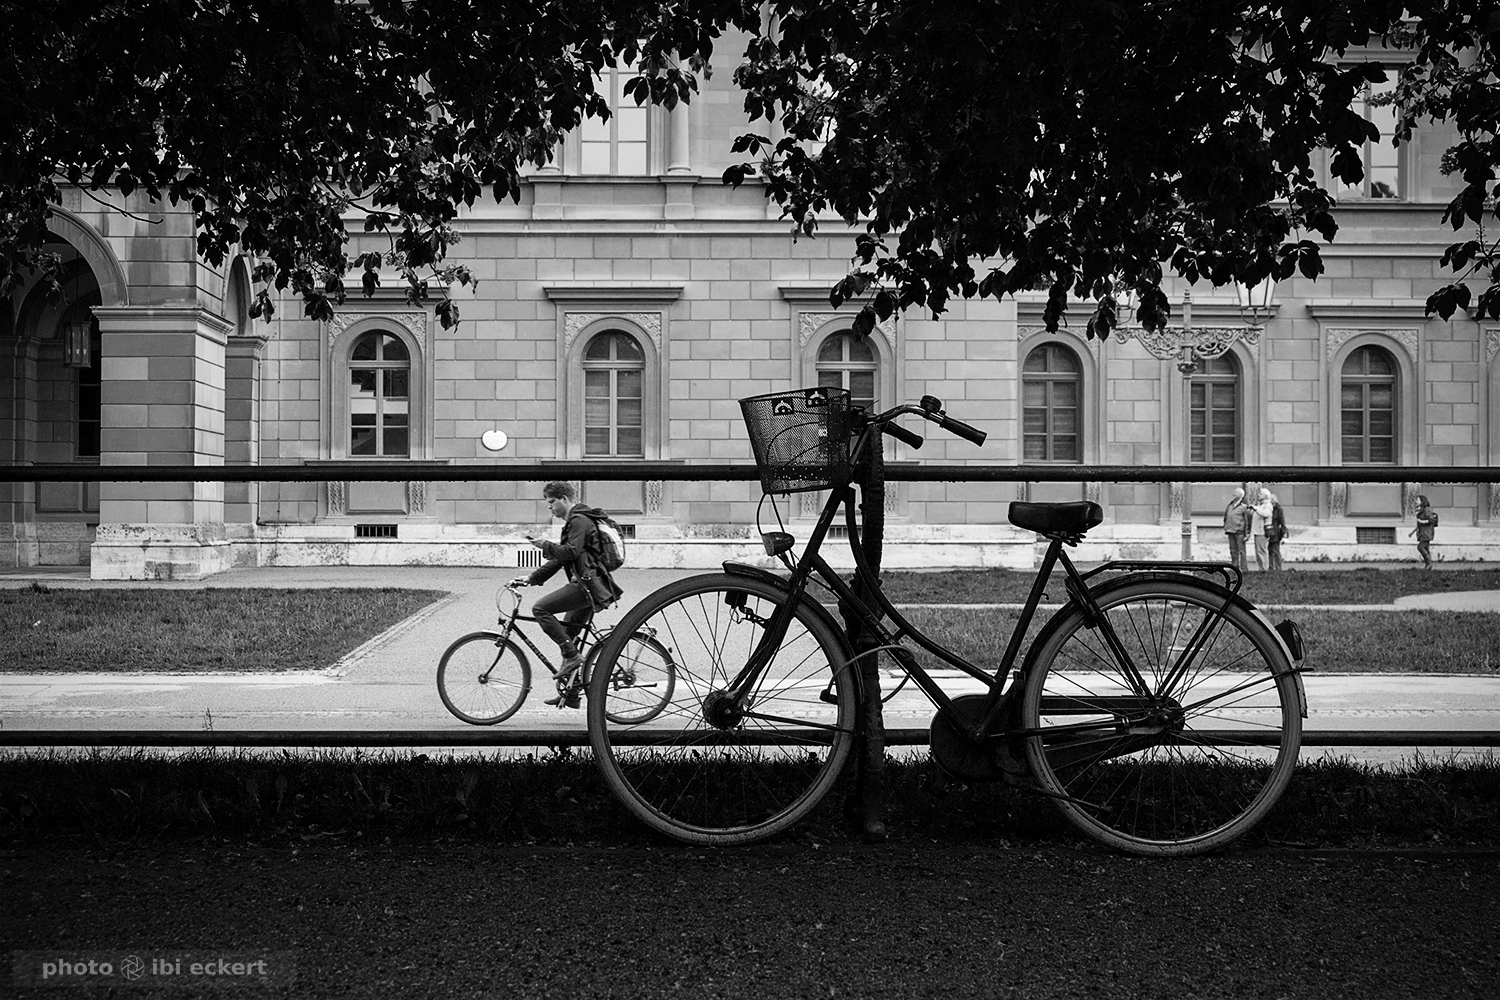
x=792, y=920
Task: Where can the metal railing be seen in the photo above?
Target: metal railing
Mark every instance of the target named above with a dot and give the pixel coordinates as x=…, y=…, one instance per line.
x=388, y=738
x=441, y=471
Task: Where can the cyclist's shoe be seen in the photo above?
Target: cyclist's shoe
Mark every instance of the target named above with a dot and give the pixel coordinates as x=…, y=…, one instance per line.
x=570, y=664
x=569, y=697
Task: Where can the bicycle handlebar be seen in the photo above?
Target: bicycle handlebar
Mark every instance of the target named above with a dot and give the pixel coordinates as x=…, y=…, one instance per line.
x=931, y=408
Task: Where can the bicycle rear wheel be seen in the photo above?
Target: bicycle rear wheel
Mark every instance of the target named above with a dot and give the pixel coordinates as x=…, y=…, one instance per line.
x=706, y=770
x=483, y=679
x=1191, y=763
x=642, y=679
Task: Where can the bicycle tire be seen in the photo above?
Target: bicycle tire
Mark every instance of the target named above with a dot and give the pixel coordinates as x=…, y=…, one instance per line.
x=749, y=777
x=482, y=679
x=1156, y=779
x=642, y=667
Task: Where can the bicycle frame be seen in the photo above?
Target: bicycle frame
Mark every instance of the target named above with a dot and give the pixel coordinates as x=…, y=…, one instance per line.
x=1000, y=699
x=588, y=636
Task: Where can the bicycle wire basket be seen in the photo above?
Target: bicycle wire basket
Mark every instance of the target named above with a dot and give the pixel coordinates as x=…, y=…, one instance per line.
x=800, y=438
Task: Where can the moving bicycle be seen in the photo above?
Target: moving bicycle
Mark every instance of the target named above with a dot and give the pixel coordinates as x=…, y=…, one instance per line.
x=1158, y=709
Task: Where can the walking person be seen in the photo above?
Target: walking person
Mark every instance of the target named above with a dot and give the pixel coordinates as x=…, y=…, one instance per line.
x=590, y=586
x=1236, y=522
x=1260, y=520
x=1275, y=532
x=1427, y=520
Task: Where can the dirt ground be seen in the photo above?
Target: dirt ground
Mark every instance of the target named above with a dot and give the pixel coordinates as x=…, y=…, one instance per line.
x=791, y=920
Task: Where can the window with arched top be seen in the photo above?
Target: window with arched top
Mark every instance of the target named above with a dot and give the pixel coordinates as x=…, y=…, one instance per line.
x=380, y=396
x=1214, y=411
x=1368, y=402
x=1051, y=405
x=614, y=375
x=846, y=362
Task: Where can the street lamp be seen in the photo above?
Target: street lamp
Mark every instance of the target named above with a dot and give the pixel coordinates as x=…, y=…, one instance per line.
x=1187, y=346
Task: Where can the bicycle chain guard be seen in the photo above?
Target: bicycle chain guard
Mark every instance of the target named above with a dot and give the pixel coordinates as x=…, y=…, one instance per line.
x=963, y=759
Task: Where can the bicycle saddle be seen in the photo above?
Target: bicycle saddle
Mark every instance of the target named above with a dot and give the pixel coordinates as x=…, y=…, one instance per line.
x=1056, y=518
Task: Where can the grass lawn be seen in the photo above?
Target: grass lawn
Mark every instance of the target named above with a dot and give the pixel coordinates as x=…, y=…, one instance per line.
x=1403, y=642
x=113, y=630
x=1294, y=586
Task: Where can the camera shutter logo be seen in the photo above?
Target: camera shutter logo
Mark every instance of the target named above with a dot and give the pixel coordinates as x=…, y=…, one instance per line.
x=132, y=968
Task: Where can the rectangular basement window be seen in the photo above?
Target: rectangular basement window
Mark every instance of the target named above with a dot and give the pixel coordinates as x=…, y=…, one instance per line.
x=375, y=531
x=1375, y=536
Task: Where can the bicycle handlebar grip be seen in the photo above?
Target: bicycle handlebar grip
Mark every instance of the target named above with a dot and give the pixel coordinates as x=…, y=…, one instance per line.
x=962, y=429
x=911, y=438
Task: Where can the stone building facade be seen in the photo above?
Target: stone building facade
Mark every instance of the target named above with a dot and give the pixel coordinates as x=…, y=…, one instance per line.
x=623, y=307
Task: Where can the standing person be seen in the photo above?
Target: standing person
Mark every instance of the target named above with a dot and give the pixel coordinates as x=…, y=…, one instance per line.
x=1236, y=520
x=1275, y=532
x=1260, y=509
x=590, y=586
x=1427, y=520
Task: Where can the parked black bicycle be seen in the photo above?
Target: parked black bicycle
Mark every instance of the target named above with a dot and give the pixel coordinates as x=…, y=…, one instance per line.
x=484, y=677
x=1158, y=708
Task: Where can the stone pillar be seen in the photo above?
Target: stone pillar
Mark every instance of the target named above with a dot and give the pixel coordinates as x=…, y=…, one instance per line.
x=679, y=179
x=242, y=364
x=163, y=404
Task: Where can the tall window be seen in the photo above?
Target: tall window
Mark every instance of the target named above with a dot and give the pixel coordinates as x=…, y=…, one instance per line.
x=1051, y=390
x=846, y=363
x=89, y=397
x=1382, y=158
x=1214, y=411
x=1368, y=403
x=614, y=374
x=618, y=146
x=380, y=397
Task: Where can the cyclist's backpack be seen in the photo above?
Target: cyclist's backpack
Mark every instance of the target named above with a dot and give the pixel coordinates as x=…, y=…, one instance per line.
x=609, y=538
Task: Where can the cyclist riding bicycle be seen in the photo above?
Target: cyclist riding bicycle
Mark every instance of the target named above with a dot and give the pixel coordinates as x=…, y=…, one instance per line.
x=590, y=585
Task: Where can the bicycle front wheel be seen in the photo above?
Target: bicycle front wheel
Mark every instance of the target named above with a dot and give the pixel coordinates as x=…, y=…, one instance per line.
x=483, y=679
x=709, y=768
x=641, y=681
x=1188, y=761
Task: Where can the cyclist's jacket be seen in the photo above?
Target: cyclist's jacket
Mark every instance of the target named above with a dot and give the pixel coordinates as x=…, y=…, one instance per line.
x=576, y=553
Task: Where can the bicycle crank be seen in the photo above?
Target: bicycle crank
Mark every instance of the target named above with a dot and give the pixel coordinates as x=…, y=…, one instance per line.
x=963, y=758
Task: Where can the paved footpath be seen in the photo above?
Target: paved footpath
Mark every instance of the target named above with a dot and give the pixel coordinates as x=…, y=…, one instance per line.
x=388, y=683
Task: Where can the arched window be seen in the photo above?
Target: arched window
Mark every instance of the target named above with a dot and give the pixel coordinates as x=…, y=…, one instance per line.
x=380, y=396
x=1051, y=388
x=1368, y=402
x=616, y=147
x=614, y=372
x=1215, y=411
x=846, y=363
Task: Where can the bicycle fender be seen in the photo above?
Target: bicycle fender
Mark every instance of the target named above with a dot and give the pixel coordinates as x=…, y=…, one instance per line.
x=767, y=577
x=1055, y=622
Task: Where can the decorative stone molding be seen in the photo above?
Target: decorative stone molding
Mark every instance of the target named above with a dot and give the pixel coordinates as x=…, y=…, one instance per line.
x=1338, y=499
x=337, y=497
x=1339, y=336
x=1409, y=498
x=1093, y=492
x=1491, y=343
x=1178, y=498
x=414, y=323
x=1030, y=330
x=1495, y=501
x=809, y=323
x=416, y=496
x=655, y=497
x=575, y=322
x=1023, y=491
x=1207, y=341
x=811, y=503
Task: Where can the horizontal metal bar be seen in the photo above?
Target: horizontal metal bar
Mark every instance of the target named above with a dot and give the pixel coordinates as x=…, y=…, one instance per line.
x=540, y=472
x=578, y=737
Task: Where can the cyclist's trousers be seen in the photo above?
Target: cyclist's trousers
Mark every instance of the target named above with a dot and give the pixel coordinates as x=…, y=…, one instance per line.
x=573, y=603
